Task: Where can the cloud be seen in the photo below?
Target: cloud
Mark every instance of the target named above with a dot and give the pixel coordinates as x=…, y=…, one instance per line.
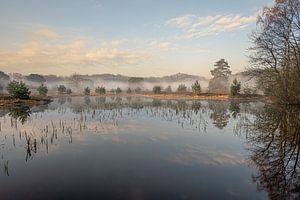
x=45, y=33
x=161, y=45
x=198, y=26
x=38, y=53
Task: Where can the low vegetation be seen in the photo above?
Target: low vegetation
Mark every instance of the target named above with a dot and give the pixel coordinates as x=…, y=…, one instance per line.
x=18, y=90
x=42, y=90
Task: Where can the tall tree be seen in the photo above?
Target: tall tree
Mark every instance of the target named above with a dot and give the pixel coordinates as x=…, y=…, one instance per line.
x=219, y=82
x=275, y=54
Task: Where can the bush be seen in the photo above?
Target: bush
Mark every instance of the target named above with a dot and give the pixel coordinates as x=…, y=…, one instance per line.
x=43, y=90
x=182, y=88
x=129, y=90
x=168, y=89
x=69, y=91
x=18, y=90
x=61, y=89
x=235, y=88
x=87, y=91
x=118, y=90
x=156, y=89
x=100, y=90
x=196, y=88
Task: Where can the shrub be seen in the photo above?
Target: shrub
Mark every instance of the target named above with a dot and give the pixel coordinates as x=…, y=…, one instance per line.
x=18, y=90
x=235, y=87
x=87, y=91
x=43, y=90
x=100, y=90
x=156, y=89
x=129, y=90
x=181, y=88
x=118, y=90
x=168, y=89
x=196, y=88
x=61, y=89
x=69, y=91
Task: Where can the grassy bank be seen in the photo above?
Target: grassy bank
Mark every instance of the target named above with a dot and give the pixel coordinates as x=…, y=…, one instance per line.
x=8, y=102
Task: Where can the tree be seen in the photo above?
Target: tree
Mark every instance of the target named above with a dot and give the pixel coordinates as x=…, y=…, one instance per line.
x=196, y=88
x=156, y=89
x=275, y=54
x=69, y=91
x=168, y=89
x=219, y=82
x=118, y=90
x=43, y=90
x=100, y=90
x=61, y=89
x=235, y=87
x=87, y=91
x=129, y=90
x=18, y=90
x=182, y=88
x=1, y=88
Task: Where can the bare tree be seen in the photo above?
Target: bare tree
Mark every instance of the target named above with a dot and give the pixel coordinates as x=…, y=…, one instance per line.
x=275, y=55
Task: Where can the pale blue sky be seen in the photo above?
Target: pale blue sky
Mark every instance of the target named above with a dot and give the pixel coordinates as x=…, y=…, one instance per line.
x=132, y=37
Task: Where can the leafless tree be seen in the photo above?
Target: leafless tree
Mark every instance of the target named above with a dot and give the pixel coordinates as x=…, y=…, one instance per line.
x=275, y=55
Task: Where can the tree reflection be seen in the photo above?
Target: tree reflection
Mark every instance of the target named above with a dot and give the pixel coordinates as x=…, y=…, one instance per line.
x=219, y=113
x=274, y=143
x=20, y=113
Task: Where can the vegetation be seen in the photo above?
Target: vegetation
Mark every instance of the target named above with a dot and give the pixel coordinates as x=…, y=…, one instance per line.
x=235, y=87
x=129, y=90
x=219, y=82
x=168, y=89
x=43, y=90
x=182, y=88
x=100, y=90
x=275, y=54
x=18, y=90
x=1, y=88
x=69, y=91
x=61, y=89
x=196, y=88
x=156, y=89
x=118, y=90
x=87, y=91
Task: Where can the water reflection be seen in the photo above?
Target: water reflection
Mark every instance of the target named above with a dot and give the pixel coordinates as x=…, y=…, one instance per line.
x=174, y=137
x=21, y=113
x=274, y=142
x=219, y=115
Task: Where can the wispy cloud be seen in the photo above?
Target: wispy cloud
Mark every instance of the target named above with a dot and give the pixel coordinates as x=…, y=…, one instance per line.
x=45, y=33
x=43, y=51
x=195, y=26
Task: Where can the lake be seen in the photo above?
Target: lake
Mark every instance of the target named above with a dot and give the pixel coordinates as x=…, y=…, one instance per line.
x=141, y=148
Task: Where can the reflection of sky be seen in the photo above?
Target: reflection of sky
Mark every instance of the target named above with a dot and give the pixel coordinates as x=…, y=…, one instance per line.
x=123, y=144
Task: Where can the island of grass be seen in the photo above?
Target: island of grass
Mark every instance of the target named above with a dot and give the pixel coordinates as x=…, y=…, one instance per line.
x=20, y=95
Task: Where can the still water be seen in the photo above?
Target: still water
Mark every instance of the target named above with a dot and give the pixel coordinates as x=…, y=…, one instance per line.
x=136, y=148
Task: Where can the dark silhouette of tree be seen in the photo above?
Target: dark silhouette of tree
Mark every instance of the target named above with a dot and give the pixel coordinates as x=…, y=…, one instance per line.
x=275, y=55
x=274, y=142
x=219, y=115
x=219, y=82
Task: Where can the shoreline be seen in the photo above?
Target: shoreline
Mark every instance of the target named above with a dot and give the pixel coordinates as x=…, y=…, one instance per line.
x=174, y=96
x=7, y=102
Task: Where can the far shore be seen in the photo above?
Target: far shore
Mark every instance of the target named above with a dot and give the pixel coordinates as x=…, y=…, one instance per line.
x=7, y=102
x=175, y=96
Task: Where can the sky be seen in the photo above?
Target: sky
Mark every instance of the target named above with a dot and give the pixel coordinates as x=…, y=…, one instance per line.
x=129, y=37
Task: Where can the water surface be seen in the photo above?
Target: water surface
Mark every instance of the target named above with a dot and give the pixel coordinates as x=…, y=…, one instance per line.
x=136, y=148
